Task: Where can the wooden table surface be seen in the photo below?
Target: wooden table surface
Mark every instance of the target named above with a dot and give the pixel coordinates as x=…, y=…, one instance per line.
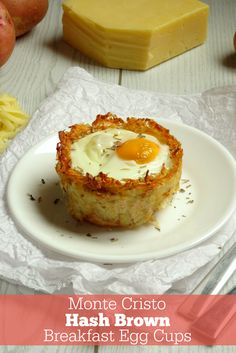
x=41, y=57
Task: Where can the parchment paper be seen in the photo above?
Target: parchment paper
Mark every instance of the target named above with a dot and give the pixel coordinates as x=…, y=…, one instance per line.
x=79, y=97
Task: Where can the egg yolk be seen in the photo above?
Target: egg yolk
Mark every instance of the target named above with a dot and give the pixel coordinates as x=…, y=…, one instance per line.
x=140, y=150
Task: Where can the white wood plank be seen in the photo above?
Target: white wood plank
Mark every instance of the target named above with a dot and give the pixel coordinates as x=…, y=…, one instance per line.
x=209, y=65
x=11, y=288
x=39, y=60
x=167, y=349
x=47, y=349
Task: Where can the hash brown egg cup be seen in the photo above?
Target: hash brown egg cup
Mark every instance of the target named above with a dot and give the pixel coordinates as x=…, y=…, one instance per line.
x=105, y=200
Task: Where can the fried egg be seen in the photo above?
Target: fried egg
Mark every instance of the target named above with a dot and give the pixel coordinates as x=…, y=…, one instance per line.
x=119, y=153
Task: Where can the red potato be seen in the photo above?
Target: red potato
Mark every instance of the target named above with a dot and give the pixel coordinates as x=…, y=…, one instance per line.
x=26, y=13
x=7, y=35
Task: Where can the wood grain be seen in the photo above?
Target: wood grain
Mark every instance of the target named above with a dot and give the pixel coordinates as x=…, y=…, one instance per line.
x=40, y=59
x=45, y=349
x=209, y=65
x=168, y=349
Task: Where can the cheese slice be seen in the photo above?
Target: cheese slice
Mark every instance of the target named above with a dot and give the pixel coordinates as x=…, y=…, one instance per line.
x=134, y=34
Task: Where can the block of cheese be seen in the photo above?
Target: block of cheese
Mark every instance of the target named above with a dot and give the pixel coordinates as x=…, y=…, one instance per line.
x=134, y=34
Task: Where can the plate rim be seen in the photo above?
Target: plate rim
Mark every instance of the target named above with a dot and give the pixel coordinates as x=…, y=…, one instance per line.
x=115, y=259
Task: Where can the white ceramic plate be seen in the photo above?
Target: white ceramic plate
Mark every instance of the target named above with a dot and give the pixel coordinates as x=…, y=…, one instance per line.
x=206, y=200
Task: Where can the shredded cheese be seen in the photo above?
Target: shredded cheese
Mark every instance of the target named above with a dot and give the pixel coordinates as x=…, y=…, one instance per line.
x=12, y=119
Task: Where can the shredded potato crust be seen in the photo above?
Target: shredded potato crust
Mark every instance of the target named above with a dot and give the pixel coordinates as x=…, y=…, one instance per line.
x=102, y=183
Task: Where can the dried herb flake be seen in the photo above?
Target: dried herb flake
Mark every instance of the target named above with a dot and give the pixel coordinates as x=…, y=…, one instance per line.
x=113, y=239
x=31, y=197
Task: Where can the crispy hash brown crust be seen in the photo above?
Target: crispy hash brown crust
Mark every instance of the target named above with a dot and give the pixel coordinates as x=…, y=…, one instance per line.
x=106, y=201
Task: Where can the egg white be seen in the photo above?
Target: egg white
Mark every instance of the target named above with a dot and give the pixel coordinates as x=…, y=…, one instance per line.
x=96, y=153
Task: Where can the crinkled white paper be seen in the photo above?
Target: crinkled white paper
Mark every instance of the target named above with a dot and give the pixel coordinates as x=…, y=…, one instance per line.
x=80, y=97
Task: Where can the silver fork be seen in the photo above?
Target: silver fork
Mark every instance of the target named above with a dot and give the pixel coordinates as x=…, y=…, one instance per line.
x=223, y=270
x=212, y=322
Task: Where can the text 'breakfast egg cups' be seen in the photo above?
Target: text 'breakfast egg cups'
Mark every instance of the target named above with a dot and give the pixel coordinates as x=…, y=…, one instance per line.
x=105, y=200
